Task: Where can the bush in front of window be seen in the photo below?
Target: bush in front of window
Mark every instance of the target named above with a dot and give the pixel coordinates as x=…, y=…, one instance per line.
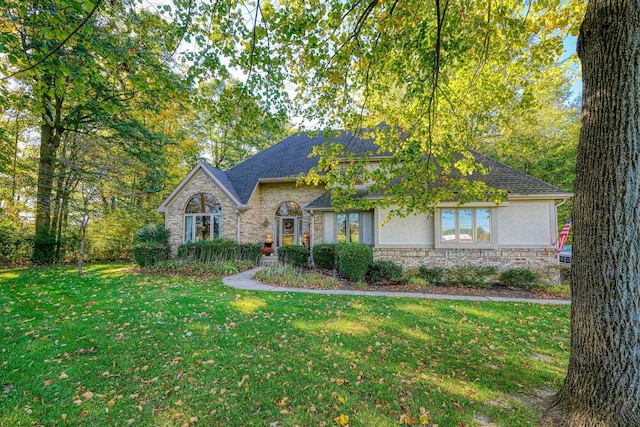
x=324, y=255
x=209, y=251
x=470, y=275
x=518, y=277
x=151, y=245
x=433, y=275
x=353, y=260
x=294, y=255
x=380, y=271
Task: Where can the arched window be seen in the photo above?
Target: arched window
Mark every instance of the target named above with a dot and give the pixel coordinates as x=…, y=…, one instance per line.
x=202, y=218
x=288, y=224
x=289, y=209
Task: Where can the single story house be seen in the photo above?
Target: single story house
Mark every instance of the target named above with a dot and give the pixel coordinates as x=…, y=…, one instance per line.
x=262, y=195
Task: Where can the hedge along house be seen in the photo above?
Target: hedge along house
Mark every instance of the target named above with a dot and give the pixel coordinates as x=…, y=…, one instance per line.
x=262, y=195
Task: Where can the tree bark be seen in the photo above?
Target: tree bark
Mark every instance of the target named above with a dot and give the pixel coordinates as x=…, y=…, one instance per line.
x=50, y=138
x=602, y=387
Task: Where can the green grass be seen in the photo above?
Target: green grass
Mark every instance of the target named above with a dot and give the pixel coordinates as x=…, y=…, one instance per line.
x=114, y=348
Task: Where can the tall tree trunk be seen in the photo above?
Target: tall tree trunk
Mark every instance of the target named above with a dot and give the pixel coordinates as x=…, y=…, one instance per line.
x=602, y=387
x=49, y=142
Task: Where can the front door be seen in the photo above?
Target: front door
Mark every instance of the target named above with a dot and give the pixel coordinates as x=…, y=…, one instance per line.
x=287, y=231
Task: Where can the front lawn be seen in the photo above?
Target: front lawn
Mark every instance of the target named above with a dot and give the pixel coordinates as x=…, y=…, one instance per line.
x=115, y=348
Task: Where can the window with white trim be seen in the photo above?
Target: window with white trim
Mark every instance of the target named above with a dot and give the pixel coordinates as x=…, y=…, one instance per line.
x=465, y=225
x=354, y=227
x=202, y=218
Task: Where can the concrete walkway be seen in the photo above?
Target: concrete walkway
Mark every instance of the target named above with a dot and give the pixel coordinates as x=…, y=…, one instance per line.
x=245, y=281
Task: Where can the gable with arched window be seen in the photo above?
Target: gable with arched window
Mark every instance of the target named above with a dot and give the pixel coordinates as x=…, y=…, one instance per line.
x=202, y=218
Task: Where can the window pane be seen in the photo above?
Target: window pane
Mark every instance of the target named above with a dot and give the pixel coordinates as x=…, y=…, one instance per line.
x=217, y=227
x=448, y=231
x=289, y=209
x=203, y=203
x=341, y=227
x=203, y=227
x=465, y=225
x=188, y=228
x=354, y=227
x=483, y=225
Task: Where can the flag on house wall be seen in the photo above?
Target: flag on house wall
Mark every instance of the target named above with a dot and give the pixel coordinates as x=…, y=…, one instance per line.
x=563, y=235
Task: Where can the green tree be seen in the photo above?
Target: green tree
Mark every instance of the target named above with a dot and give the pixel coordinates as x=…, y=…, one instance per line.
x=231, y=125
x=83, y=64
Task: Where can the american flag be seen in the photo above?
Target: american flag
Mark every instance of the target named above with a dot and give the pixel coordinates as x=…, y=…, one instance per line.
x=562, y=239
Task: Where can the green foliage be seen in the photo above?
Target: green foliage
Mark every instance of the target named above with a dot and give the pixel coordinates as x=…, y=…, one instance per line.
x=149, y=253
x=44, y=249
x=353, y=260
x=433, y=275
x=417, y=281
x=290, y=276
x=199, y=269
x=157, y=233
x=151, y=245
x=295, y=255
x=324, y=255
x=469, y=275
x=110, y=236
x=219, y=251
x=382, y=270
x=15, y=244
x=518, y=277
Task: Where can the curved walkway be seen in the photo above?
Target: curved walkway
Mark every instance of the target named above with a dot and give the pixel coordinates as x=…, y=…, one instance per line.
x=245, y=281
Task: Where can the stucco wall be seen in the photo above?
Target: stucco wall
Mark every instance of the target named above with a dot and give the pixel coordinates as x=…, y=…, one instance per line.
x=413, y=230
x=531, y=223
x=520, y=224
x=200, y=182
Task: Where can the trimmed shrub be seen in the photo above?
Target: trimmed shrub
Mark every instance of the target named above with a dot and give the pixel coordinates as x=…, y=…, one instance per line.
x=209, y=251
x=433, y=275
x=324, y=255
x=249, y=252
x=380, y=271
x=469, y=275
x=294, y=255
x=353, y=260
x=151, y=245
x=519, y=277
x=148, y=254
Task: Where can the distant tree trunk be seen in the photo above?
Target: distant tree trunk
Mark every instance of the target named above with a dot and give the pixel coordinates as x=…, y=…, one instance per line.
x=83, y=232
x=602, y=387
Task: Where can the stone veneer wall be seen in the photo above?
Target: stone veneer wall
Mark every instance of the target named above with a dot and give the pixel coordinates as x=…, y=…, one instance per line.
x=534, y=259
x=260, y=215
x=200, y=182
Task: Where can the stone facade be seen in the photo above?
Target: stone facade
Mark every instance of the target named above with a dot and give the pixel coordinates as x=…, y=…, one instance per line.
x=533, y=259
x=200, y=182
x=259, y=217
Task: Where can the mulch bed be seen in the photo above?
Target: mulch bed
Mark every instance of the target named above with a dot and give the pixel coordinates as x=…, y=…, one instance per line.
x=495, y=290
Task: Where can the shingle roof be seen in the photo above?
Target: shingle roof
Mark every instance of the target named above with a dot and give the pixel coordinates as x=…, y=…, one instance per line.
x=290, y=157
x=224, y=180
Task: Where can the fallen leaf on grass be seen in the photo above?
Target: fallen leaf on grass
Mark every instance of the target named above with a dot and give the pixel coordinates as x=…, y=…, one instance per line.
x=83, y=351
x=342, y=420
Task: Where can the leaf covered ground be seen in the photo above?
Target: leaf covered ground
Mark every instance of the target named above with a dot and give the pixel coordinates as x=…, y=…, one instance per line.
x=114, y=348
